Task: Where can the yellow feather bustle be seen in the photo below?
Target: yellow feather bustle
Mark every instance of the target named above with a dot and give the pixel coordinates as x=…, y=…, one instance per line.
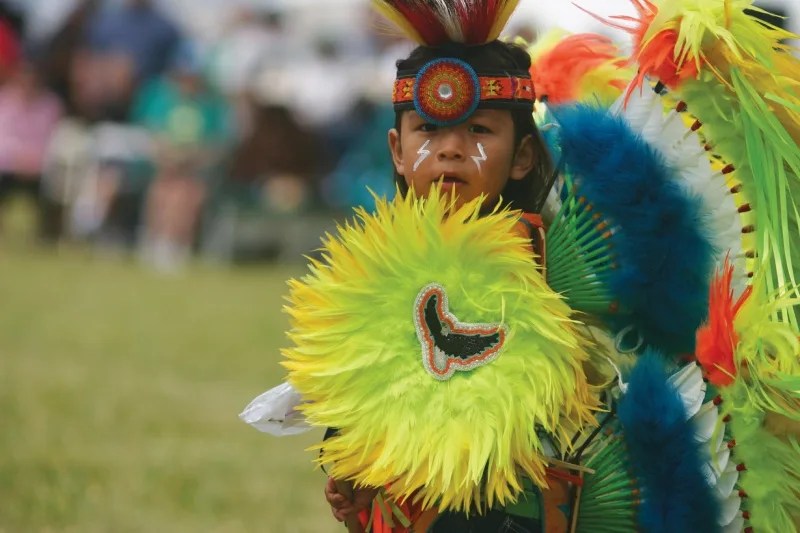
x=457, y=444
x=741, y=80
x=768, y=352
x=762, y=405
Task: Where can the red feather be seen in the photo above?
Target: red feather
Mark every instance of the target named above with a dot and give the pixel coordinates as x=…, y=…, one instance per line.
x=471, y=21
x=655, y=58
x=717, y=339
x=476, y=22
x=424, y=19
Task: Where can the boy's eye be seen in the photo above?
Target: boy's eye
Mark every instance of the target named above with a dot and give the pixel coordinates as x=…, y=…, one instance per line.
x=427, y=127
x=477, y=128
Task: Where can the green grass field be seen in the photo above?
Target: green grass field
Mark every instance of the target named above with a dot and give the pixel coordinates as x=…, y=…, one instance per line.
x=119, y=395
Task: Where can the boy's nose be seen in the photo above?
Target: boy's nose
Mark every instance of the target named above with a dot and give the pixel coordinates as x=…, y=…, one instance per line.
x=451, y=147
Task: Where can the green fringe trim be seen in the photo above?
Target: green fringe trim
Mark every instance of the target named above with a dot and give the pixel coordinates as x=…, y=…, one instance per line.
x=579, y=256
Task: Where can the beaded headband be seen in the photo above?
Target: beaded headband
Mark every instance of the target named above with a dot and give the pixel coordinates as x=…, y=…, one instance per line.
x=446, y=91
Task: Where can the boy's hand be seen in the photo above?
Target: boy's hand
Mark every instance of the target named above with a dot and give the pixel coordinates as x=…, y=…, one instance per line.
x=343, y=507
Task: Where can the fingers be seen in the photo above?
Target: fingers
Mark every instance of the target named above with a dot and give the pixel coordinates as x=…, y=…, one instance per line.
x=342, y=514
x=335, y=499
x=338, y=501
x=330, y=490
x=341, y=506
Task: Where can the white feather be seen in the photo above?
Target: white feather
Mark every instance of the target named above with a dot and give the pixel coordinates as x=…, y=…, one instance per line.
x=636, y=109
x=727, y=482
x=736, y=526
x=691, y=388
x=684, y=151
x=686, y=374
x=275, y=412
x=721, y=458
x=450, y=21
x=729, y=510
x=709, y=474
x=707, y=425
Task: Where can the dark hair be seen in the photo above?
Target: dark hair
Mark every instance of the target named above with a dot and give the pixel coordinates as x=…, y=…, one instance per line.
x=529, y=193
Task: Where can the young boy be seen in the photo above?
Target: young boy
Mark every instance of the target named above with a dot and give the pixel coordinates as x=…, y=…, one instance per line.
x=463, y=120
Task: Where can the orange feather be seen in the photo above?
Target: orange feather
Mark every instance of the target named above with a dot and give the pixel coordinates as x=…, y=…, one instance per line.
x=559, y=72
x=717, y=339
x=654, y=56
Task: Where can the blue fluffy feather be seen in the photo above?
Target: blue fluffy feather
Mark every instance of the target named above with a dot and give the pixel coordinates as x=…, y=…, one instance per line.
x=664, y=454
x=665, y=256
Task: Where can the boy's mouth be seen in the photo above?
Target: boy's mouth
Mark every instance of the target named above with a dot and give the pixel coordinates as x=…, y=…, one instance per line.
x=450, y=179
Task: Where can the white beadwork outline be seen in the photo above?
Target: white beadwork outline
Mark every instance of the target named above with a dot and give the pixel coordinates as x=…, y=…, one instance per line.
x=429, y=355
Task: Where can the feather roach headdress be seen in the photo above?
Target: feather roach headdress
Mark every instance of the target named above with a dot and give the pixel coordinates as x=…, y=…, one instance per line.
x=438, y=22
x=448, y=89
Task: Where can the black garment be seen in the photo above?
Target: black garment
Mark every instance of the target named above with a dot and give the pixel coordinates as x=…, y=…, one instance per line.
x=496, y=521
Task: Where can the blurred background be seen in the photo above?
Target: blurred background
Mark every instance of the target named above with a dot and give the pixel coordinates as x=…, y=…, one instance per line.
x=165, y=166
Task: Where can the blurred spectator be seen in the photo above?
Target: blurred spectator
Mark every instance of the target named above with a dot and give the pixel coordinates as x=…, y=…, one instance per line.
x=277, y=148
x=14, y=16
x=124, y=46
x=67, y=167
x=138, y=30
x=385, y=45
x=60, y=50
x=107, y=208
x=190, y=124
x=365, y=168
x=11, y=27
x=328, y=111
x=28, y=116
x=255, y=41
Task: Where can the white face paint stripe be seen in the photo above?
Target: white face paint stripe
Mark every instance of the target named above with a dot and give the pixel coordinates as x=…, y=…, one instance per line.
x=423, y=154
x=479, y=158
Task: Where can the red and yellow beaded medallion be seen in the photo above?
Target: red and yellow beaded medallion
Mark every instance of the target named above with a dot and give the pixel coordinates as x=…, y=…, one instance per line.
x=446, y=92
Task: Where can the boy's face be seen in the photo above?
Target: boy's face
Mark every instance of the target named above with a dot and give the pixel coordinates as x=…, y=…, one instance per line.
x=475, y=157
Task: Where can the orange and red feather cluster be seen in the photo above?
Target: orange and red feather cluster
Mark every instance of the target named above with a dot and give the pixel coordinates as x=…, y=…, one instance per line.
x=558, y=72
x=717, y=339
x=655, y=56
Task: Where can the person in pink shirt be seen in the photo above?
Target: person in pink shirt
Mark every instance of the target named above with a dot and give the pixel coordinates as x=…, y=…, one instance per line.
x=29, y=113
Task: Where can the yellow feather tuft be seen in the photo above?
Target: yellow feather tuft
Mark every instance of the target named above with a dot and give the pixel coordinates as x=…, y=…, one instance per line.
x=705, y=24
x=459, y=444
x=503, y=14
x=768, y=353
x=397, y=18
